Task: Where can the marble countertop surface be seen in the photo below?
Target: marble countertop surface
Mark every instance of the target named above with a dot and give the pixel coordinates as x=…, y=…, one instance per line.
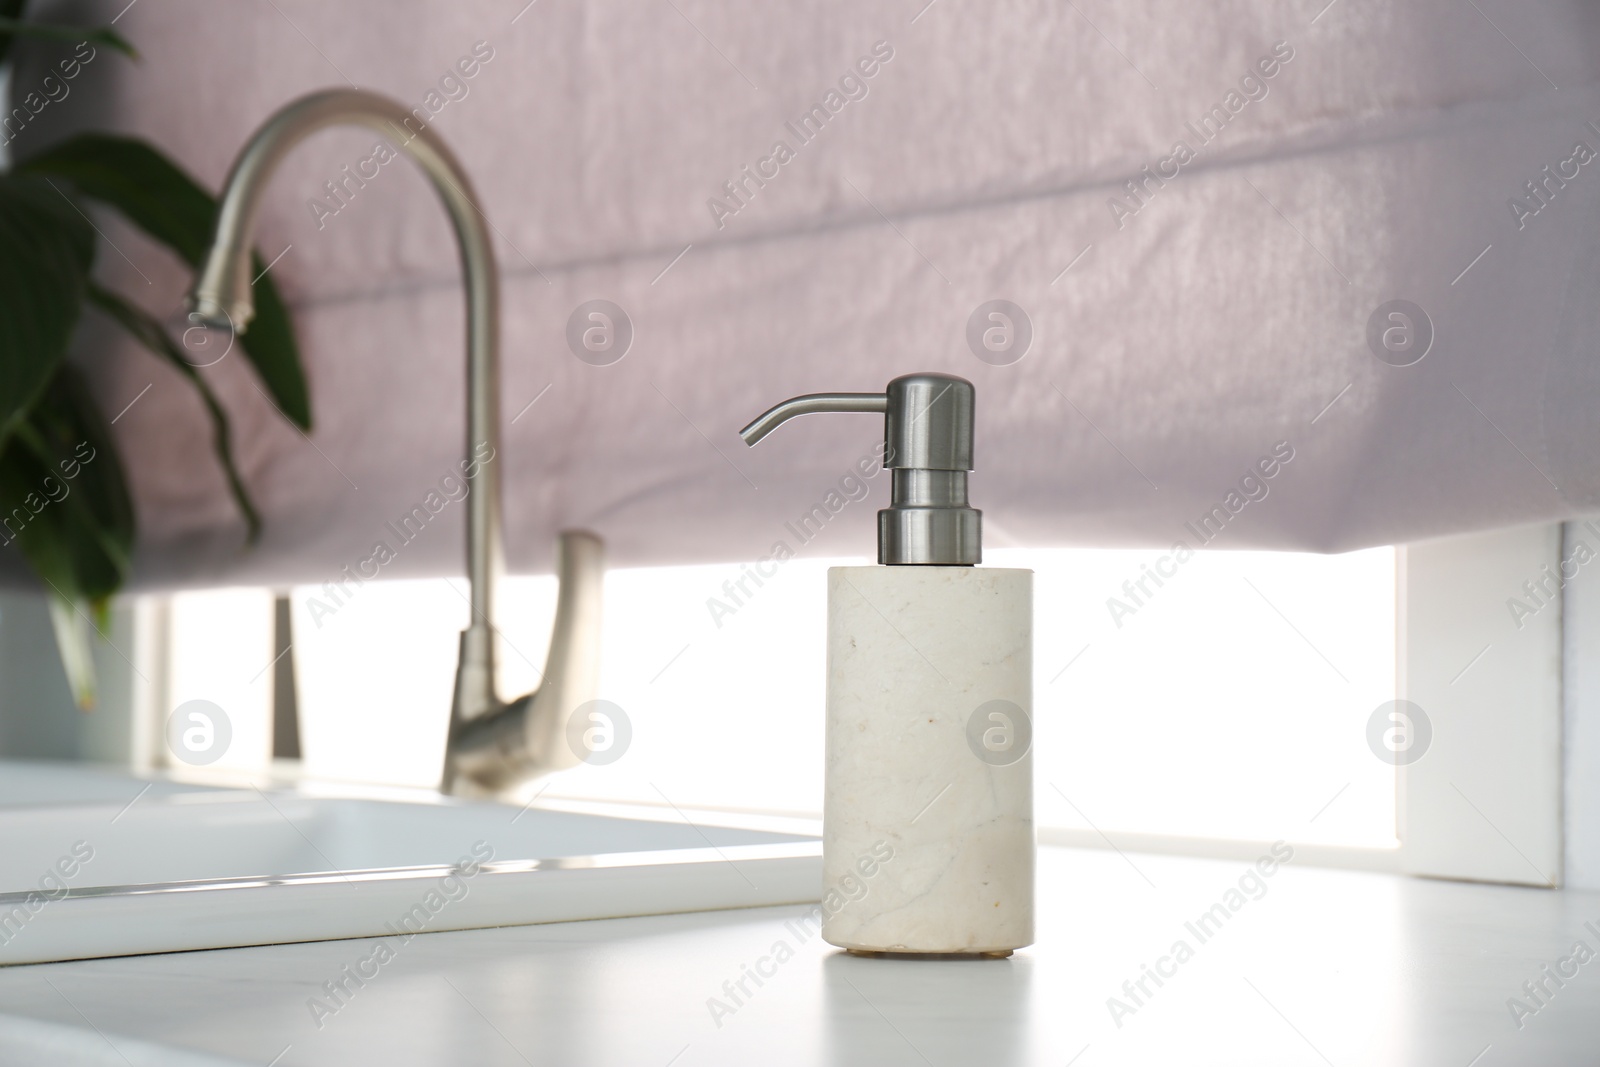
x=1307, y=966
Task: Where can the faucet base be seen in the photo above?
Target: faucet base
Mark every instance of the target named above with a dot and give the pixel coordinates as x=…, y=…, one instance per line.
x=496, y=746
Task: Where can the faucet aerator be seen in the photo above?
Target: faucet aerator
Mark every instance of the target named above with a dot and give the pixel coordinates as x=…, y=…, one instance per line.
x=209, y=313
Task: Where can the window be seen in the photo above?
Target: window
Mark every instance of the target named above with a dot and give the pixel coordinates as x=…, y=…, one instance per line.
x=1175, y=708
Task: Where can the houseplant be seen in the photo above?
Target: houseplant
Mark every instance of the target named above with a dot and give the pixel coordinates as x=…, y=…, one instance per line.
x=64, y=501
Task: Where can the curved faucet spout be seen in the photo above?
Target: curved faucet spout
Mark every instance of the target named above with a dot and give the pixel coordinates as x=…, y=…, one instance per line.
x=221, y=297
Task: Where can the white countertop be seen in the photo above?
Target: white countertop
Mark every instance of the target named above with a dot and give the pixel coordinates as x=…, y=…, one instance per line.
x=1326, y=967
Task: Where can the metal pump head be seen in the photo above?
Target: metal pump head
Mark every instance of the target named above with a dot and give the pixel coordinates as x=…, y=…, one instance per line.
x=927, y=434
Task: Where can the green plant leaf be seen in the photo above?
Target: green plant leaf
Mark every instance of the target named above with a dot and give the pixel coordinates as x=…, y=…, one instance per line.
x=12, y=28
x=71, y=627
x=69, y=432
x=166, y=203
x=46, y=250
x=10, y=9
x=66, y=509
x=148, y=332
x=68, y=504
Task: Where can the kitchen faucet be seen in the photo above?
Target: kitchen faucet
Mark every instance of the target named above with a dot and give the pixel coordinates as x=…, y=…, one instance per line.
x=494, y=745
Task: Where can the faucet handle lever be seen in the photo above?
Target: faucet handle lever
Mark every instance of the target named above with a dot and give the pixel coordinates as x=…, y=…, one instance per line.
x=811, y=403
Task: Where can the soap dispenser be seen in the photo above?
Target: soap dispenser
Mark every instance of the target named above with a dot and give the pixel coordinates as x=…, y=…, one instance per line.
x=928, y=843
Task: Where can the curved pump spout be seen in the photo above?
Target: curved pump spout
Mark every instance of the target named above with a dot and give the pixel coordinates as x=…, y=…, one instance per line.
x=494, y=745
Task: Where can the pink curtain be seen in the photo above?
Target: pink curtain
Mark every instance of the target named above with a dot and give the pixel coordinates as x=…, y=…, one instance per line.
x=1354, y=243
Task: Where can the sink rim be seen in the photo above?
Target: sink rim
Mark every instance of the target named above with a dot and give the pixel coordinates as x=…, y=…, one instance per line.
x=774, y=865
x=804, y=849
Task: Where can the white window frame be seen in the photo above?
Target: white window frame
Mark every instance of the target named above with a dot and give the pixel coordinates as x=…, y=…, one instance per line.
x=1484, y=803
x=1580, y=685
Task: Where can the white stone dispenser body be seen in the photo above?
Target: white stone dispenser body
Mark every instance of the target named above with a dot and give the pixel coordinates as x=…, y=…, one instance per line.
x=930, y=692
x=928, y=840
